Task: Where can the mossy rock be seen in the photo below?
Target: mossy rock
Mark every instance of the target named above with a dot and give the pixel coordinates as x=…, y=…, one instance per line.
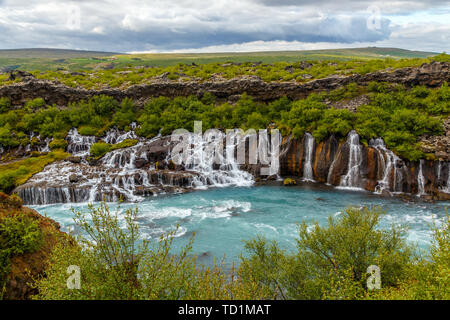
x=289, y=182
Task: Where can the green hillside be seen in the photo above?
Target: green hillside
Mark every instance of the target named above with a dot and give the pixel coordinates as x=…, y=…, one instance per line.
x=53, y=59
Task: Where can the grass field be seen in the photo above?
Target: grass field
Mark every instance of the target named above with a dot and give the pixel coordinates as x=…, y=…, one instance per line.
x=72, y=60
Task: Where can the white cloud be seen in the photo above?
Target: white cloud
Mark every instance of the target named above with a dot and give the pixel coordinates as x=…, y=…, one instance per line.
x=223, y=25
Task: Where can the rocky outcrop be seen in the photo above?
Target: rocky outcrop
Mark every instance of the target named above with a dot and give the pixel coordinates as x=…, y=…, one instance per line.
x=439, y=146
x=432, y=74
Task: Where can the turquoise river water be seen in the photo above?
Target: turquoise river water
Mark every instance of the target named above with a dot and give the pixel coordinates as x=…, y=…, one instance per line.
x=223, y=217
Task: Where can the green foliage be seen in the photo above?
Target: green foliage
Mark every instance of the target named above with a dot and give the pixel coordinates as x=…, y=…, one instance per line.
x=289, y=182
x=116, y=264
x=443, y=57
x=429, y=275
x=35, y=104
x=398, y=115
x=125, y=115
x=87, y=131
x=99, y=149
x=18, y=172
x=58, y=144
x=19, y=234
x=330, y=262
x=5, y=104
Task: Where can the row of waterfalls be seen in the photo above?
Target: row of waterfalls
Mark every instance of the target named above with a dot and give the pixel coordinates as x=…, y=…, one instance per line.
x=391, y=173
x=147, y=169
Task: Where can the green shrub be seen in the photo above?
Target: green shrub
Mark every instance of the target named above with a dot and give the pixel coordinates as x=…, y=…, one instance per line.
x=35, y=103
x=99, y=149
x=331, y=262
x=87, y=131
x=124, y=144
x=19, y=234
x=116, y=264
x=58, y=144
x=18, y=172
x=5, y=104
x=429, y=275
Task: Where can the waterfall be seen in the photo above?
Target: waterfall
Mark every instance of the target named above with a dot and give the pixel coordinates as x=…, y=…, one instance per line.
x=448, y=179
x=389, y=161
x=79, y=145
x=421, y=180
x=439, y=168
x=447, y=188
x=353, y=177
x=114, y=136
x=215, y=168
x=117, y=173
x=309, y=157
x=46, y=147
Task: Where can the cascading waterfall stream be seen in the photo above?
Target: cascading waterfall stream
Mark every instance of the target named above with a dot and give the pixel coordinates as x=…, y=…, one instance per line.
x=134, y=173
x=204, y=159
x=389, y=162
x=79, y=145
x=447, y=190
x=116, y=175
x=309, y=156
x=352, y=179
x=421, y=180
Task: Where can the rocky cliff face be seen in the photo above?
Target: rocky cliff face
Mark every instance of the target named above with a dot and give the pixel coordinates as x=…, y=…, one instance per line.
x=432, y=74
x=350, y=164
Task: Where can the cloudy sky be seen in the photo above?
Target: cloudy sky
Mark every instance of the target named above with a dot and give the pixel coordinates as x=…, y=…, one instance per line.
x=224, y=25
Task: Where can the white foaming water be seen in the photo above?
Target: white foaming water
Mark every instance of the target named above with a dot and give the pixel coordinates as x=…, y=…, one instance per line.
x=447, y=189
x=353, y=177
x=308, y=167
x=46, y=147
x=388, y=163
x=79, y=145
x=439, y=168
x=443, y=188
x=215, y=169
x=114, y=136
x=421, y=180
x=116, y=175
x=222, y=218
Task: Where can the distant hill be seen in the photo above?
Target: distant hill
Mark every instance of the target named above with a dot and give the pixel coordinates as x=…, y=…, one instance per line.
x=73, y=60
x=51, y=53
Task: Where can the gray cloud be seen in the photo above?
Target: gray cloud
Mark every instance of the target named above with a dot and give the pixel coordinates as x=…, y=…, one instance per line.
x=112, y=25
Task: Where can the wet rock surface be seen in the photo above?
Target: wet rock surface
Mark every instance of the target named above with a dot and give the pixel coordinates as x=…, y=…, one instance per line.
x=128, y=174
x=373, y=168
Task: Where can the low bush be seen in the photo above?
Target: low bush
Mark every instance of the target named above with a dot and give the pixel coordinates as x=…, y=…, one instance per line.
x=19, y=234
x=18, y=172
x=116, y=264
x=58, y=144
x=99, y=149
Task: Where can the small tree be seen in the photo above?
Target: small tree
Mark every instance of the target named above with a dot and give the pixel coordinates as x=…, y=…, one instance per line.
x=116, y=264
x=331, y=262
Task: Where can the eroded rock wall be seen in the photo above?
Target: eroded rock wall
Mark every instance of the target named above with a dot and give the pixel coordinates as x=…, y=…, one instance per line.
x=431, y=74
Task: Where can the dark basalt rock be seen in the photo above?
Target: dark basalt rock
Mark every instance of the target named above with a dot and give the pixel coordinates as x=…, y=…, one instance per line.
x=74, y=159
x=430, y=74
x=73, y=178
